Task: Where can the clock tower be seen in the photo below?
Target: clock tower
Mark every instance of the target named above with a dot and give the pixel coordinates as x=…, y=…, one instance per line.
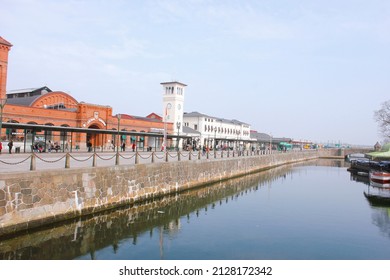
x=173, y=103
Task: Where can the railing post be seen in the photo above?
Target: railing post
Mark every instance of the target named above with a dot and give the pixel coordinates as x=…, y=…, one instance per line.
x=178, y=156
x=215, y=153
x=199, y=156
x=67, y=160
x=33, y=165
x=117, y=158
x=94, y=160
x=221, y=153
x=152, y=157
x=207, y=154
x=190, y=155
x=136, y=157
x=228, y=152
x=166, y=156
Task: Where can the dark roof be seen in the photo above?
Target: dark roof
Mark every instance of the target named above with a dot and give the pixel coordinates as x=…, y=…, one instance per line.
x=26, y=97
x=174, y=82
x=24, y=101
x=5, y=42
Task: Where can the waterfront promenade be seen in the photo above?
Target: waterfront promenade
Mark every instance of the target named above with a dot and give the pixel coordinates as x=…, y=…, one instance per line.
x=49, y=161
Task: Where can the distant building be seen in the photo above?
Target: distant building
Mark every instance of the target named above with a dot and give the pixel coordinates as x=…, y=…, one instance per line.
x=216, y=132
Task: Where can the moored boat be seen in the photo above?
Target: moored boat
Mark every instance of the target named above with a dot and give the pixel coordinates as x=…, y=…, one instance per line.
x=381, y=177
x=380, y=173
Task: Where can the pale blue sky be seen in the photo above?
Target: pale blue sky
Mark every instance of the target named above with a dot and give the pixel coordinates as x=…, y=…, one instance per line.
x=308, y=69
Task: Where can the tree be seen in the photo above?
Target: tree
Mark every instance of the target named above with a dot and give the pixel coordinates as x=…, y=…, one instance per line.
x=382, y=116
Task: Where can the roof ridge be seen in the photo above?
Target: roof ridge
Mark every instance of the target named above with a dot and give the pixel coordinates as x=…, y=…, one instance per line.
x=5, y=42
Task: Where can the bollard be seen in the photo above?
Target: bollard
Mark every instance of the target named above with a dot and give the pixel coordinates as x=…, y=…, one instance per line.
x=215, y=153
x=33, y=165
x=199, y=156
x=94, y=160
x=117, y=158
x=207, y=155
x=136, y=157
x=178, y=156
x=190, y=155
x=222, y=154
x=67, y=160
x=152, y=157
x=228, y=152
x=166, y=156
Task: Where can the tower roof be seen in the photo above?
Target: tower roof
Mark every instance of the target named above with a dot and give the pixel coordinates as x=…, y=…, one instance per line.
x=174, y=82
x=5, y=42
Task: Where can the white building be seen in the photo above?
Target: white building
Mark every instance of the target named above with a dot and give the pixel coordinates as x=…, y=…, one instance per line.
x=218, y=132
x=202, y=130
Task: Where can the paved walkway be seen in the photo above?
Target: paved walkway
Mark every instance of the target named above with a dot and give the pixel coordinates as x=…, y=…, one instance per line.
x=56, y=161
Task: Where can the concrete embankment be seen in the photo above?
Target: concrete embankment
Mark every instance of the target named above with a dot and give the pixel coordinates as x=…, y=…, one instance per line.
x=38, y=198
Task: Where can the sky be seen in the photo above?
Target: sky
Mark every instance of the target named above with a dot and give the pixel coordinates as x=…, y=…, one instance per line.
x=307, y=69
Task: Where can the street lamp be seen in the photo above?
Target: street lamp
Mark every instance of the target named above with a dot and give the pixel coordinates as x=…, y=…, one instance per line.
x=178, y=125
x=167, y=107
x=119, y=120
x=3, y=101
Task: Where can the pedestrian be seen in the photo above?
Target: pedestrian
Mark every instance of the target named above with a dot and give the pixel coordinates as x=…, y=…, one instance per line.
x=123, y=146
x=1, y=146
x=133, y=147
x=10, y=145
x=89, y=146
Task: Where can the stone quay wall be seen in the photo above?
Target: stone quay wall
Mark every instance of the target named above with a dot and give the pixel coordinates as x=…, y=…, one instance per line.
x=33, y=199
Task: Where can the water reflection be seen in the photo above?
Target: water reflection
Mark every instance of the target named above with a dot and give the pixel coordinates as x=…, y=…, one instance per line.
x=378, y=197
x=87, y=235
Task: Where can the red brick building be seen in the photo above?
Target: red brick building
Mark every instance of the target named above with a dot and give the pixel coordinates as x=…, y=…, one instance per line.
x=43, y=106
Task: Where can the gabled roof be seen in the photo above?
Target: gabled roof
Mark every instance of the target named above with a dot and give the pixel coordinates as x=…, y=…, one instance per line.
x=197, y=114
x=5, y=42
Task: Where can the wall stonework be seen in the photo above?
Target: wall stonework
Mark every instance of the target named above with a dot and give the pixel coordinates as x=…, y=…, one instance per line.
x=38, y=198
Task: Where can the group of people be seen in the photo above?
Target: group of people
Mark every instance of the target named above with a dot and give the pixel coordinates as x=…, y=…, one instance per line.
x=10, y=145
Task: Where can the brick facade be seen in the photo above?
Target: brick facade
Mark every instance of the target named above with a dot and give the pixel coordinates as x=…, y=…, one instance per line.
x=44, y=110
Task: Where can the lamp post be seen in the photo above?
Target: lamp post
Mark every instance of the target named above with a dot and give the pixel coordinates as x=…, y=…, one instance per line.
x=178, y=125
x=119, y=120
x=167, y=107
x=3, y=101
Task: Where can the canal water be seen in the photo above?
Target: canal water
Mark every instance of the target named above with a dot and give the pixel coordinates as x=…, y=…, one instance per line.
x=310, y=211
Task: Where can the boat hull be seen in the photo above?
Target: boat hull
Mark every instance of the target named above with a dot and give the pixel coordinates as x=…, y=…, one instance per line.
x=380, y=177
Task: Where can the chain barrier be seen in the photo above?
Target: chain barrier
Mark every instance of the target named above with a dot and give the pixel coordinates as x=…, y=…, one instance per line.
x=174, y=156
x=105, y=158
x=148, y=157
x=49, y=161
x=15, y=163
x=125, y=157
x=159, y=157
x=81, y=160
x=153, y=155
x=184, y=155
